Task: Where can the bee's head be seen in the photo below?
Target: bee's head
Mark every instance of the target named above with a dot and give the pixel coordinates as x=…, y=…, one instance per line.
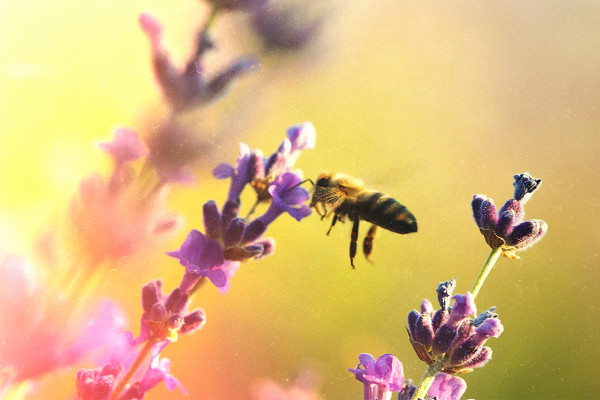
x=324, y=179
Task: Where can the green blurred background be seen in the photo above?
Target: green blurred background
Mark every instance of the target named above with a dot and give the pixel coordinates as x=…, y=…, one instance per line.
x=428, y=102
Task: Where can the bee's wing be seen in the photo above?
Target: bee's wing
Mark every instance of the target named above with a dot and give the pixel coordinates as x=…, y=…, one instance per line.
x=328, y=196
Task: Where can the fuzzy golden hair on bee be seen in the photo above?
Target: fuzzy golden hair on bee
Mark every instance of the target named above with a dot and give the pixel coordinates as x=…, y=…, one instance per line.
x=346, y=197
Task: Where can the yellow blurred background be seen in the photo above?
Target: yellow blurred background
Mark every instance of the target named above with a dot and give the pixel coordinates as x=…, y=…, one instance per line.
x=428, y=102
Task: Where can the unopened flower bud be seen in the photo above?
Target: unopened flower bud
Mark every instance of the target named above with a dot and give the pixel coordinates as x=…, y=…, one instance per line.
x=212, y=219
x=254, y=231
x=480, y=359
x=444, y=292
x=175, y=322
x=159, y=312
x=424, y=331
x=230, y=211
x=413, y=316
x=525, y=185
x=527, y=233
x=268, y=245
x=491, y=313
x=193, y=322
x=426, y=307
x=234, y=232
x=151, y=295
x=176, y=301
x=440, y=317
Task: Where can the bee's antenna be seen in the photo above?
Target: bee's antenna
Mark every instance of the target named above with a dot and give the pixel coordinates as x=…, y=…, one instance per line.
x=304, y=181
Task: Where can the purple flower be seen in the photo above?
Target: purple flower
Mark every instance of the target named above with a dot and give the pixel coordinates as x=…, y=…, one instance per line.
x=505, y=229
x=447, y=387
x=454, y=338
x=219, y=259
x=379, y=377
x=287, y=197
x=190, y=87
x=198, y=253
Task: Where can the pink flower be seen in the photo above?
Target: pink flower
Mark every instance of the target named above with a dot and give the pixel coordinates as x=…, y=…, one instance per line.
x=115, y=224
x=379, y=377
x=43, y=331
x=447, y=387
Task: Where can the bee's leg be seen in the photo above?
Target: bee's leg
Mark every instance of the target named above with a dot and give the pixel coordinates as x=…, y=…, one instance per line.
x=353, y=239
x=335, y=218
x=368, y=242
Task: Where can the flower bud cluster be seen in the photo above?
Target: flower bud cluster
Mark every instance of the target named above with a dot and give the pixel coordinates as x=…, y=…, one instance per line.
x=505, y=229
x=164, y=316
x=449, y=336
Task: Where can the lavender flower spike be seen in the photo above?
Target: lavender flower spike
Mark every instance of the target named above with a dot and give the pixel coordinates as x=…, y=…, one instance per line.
x=505, y=229
x=379, y=377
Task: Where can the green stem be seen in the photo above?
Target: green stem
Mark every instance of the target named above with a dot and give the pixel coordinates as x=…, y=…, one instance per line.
x=426, y=381
x=132, y=370
x=211, y=19
x=485, y=271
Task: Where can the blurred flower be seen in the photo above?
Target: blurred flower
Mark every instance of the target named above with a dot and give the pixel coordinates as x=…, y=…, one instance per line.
x=449, y=336
x=447, y=387
x=173, y=150
x=286, y=27
x=304, y=387
x=190, y=87
x=116, y=219
x=380, y=377
x=506, y=229
x=126, y=146
x=236, y=5
x=97, y=385
x=42, y=330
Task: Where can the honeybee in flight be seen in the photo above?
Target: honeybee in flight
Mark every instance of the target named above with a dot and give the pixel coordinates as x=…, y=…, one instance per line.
x=345, y=196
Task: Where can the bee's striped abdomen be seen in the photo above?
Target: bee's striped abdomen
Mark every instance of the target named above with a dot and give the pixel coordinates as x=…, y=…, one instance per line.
x=384, y=211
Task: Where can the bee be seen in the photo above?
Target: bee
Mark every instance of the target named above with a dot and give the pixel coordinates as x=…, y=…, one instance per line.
x=345, y=196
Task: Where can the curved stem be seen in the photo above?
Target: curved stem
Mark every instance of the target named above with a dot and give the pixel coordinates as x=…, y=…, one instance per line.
x=426, y=381
x=485, y=271
x=132, y=370
x=211, y=19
